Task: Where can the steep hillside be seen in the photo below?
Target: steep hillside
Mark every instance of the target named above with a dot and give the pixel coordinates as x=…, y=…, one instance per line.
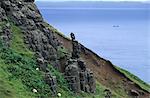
x=115, y=78
x=33, y=57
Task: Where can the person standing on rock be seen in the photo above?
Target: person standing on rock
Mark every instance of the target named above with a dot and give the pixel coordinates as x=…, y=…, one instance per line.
x=76, y=48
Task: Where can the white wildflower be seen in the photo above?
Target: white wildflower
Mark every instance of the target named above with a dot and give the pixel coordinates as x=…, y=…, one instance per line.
x=59, y=94
x=37, y=69
x=34, y=90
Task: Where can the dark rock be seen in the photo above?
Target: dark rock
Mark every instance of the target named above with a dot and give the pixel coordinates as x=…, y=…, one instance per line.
x=76, y=50
x=83, y=81
x=6, y=5
x=84, y=78
x=3, y=16
x=77, y=75
x=81, y=65
x=27, y=24
x=52, y=82
x=91, y=81
x=17, y=16
x=20, y=5
x=108, y=93
x=6, y=34
x=72, y=76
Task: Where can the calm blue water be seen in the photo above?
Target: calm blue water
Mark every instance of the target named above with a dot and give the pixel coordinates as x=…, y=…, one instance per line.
x=126, y=46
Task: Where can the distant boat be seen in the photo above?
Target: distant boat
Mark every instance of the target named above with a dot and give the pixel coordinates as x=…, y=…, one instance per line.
x=116, y=26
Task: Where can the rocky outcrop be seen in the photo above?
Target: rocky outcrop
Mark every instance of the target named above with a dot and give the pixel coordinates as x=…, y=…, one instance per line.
x=41, y=40
x=78, y=76
x=79, y=79
x=5, y=30
x=6, y=34
x=36, y=34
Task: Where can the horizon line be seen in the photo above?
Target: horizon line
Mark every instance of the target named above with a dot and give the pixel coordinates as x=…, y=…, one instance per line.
x=89, y=1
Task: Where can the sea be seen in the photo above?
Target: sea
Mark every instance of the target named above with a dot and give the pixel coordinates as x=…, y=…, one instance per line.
x=118, y=34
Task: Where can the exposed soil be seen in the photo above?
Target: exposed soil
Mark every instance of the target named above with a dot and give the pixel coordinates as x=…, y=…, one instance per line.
x=105, y=73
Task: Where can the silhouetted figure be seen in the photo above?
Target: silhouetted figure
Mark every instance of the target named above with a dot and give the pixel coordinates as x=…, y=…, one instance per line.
x=72, y=36
x=76, y=48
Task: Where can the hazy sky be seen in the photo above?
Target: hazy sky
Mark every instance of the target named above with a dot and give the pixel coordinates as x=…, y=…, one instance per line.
x=93, y=0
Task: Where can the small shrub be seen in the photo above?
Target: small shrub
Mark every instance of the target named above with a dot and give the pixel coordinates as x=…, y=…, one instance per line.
x=62, y=52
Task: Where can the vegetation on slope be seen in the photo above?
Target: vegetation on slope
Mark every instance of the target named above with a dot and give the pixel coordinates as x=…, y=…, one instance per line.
x=18, y=74
x=18, y=66
x=134, y=78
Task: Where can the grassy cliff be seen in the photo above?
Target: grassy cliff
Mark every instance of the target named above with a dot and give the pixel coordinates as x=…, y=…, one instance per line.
x=18, y=66
x=18, y=74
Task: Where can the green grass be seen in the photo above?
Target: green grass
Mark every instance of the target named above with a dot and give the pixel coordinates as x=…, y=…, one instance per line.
x=135, y=79
x=17, y=42
x=17, y=70
x=11, y=88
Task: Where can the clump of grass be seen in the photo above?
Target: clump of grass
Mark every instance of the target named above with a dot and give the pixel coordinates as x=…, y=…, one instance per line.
x=9, y=87
x=62, y=52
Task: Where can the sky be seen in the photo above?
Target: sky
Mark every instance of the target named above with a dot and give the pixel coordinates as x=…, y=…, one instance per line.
x=94, y=0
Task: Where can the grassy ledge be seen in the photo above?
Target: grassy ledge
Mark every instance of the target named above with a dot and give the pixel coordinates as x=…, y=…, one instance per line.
x=134, y=78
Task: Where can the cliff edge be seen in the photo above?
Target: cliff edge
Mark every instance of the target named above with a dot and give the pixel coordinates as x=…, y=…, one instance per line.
x=36, y=60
